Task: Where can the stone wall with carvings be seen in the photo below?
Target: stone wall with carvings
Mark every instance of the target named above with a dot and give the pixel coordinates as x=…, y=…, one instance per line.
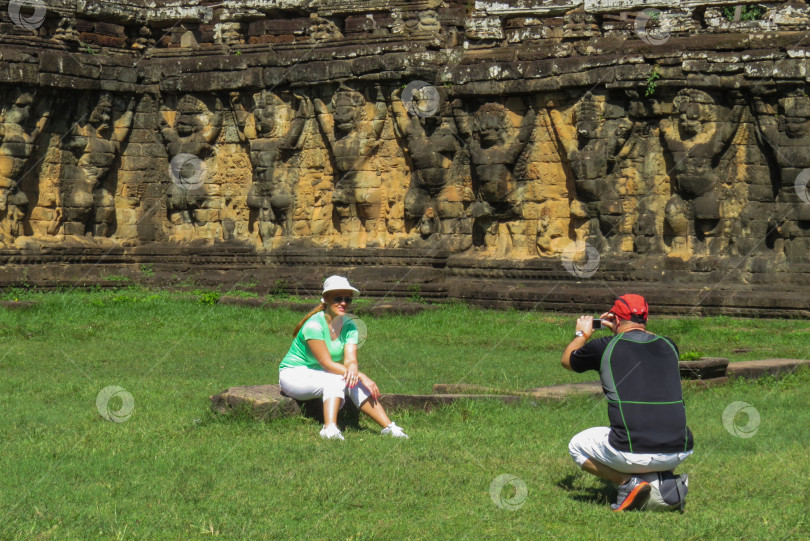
x=496, y=130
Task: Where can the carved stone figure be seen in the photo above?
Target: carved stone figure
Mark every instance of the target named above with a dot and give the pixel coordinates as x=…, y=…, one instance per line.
x=353, y=139
x=18, y=140
x=144, y=39
x=429, y=21
x=65, y=31
x=785, y=132
x=593, y=153
x=321, y=29
x=494, y=153
x=88, y=199
x=193, y=132
x=272, y=196
x=432, y=143
x=696, y=138
x=229, y=33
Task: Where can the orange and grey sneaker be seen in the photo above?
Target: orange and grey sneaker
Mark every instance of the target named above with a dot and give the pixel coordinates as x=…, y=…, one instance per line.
x=632, y=495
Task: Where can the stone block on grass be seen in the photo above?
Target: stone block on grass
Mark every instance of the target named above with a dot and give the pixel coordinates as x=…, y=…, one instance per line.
x=703, y=368
x=17, y=305
x=558, y=392
x=261, y=401
x=267, y=402
x=591, y=388
x=774, y=367
x=704, y=383
x=429, y=401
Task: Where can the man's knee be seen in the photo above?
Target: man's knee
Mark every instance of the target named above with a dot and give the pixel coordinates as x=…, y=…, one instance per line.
x=576, y=451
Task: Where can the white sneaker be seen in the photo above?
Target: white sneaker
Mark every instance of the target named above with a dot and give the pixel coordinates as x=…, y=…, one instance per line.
x=393, y=430
x=331, y=432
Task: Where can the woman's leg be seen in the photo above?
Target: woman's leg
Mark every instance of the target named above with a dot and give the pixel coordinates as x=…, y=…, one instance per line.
x=304, y=383
x=330, y=410
x=362, y=398
x=374, y=409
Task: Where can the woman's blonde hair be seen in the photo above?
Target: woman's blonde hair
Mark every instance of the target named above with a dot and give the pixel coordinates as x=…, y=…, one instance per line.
x=320, y=307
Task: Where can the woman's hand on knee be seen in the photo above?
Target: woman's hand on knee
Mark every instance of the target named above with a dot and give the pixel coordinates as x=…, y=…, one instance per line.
x=370, y=385
x=352, y=376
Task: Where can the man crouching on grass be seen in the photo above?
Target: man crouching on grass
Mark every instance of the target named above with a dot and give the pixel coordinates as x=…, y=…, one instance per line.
x=640, y=378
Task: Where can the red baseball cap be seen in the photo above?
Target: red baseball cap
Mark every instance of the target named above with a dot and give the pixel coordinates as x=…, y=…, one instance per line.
x=631, y=307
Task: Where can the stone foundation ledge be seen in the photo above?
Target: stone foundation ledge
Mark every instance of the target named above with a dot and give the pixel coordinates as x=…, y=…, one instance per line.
x=266, y=402
x=538, y=284
x=400, y=307
x=757, y=369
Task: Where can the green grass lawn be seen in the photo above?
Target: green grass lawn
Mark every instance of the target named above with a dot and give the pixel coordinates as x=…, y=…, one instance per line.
x=175, y=471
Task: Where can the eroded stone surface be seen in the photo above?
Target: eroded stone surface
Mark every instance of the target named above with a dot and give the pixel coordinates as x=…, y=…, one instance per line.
x=703, y=368
x=17, y=305
x=267, y=402
x=755, y=369
x=485, y=131
x=567, y=389
x=262, y=401
x=561, y=391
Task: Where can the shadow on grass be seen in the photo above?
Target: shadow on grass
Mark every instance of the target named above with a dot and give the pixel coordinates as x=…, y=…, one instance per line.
x=605, y=494
x=348, y=415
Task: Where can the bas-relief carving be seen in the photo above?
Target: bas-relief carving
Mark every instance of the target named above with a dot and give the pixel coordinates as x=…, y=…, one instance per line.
x=20, y=129
x=465, y=184
x=352, y=136
x=322, y=29
x=495, y=147
x=192, y=128
x=783, y=129
x=593, y=143
x=696, y=137
x=87, y=192
x=272, y=141
x=428, y=133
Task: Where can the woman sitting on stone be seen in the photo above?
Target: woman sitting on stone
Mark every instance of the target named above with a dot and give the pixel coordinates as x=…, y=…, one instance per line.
x=322, y=362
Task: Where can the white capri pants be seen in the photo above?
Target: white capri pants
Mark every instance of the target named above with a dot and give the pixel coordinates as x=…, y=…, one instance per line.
x=593, y=443
x=303, y=383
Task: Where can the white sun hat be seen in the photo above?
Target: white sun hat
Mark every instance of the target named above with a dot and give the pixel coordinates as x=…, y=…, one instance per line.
x=335, y=283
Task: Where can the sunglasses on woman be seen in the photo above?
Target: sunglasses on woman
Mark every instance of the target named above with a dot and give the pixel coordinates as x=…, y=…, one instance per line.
x=338, y=300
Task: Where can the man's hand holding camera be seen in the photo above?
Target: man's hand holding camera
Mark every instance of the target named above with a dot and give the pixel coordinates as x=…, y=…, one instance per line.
x=586, y=325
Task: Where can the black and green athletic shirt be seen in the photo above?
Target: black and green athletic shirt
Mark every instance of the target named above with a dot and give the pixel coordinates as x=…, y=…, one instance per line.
x=642, y=384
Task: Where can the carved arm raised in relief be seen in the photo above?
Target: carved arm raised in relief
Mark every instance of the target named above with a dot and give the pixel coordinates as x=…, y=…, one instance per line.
x=566, y=134
x=672, y=137
x=728, y=130
x=77, y=139
x=377, y=123
x=240, y=115
x=519, y=143
x=462, y=119
x=380, y=112
x=407, y=126
x=326, y=121
x=765, y=116
x=211, y=132
x=624, y=133
x=39, y=127
x=290, y=139
x=121, y=127
x=168, y=132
